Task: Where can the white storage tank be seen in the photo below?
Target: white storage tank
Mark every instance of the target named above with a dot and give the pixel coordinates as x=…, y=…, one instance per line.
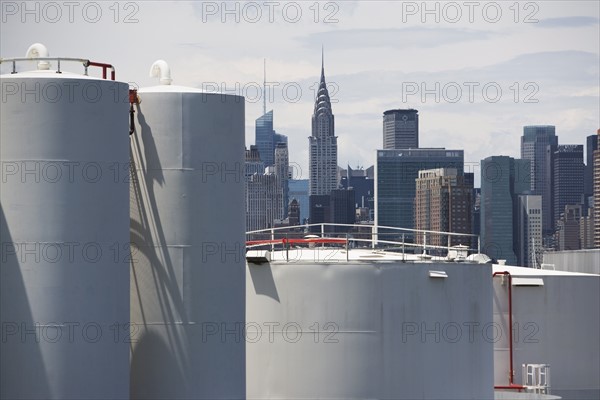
x=321, y=327
x=64, y=223
x=556, y=322
x=187, y=223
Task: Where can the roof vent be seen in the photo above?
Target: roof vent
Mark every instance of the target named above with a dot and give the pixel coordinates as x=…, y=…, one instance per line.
x=38, y=50
x=160, y=69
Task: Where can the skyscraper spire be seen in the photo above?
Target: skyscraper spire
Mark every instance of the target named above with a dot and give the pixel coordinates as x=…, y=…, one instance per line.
x=322, y=64
x=264, y=86
x=322, y=101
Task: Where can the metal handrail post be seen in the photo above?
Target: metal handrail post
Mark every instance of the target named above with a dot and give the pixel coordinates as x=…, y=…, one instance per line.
x=403, y=249
x=373, y=235
x=347, y=248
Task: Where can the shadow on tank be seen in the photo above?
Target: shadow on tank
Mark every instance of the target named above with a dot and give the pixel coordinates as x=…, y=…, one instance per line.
x=263, y=281
x=150, y=379
x=155, y=369
x=148, y=224
x=23, y=372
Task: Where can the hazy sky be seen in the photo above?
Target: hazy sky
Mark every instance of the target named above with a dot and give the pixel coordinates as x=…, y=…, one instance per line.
x=476, y=71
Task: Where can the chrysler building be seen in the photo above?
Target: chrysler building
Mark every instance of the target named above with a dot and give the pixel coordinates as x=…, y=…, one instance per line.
x=323, y=144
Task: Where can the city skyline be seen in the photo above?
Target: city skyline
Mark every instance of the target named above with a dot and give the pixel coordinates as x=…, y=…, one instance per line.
x=374, y=50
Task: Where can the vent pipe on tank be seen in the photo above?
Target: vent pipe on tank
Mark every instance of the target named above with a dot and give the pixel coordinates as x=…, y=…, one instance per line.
x=161, y=69
x=37, y=50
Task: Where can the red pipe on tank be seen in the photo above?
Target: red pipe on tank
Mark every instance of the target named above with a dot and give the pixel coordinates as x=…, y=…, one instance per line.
x=104, y=68
x=511, y=372
x=133, y=99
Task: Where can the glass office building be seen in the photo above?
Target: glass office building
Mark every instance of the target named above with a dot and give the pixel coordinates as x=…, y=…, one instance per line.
x=503, y=179
x=396, y=172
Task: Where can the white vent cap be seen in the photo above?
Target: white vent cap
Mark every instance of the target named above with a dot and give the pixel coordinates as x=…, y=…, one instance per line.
x=38, y=50
x=160, y=69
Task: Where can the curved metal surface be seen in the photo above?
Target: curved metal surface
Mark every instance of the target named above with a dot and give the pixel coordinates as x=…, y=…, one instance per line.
x=64, y=278
x=187, y=222
x=377, y=330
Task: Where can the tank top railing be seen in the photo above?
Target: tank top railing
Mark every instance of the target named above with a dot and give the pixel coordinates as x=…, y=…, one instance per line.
x=351, y=236
x=86, y=64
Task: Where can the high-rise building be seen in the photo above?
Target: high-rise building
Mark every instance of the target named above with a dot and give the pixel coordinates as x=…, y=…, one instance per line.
x=279, y=138
x=568, y=170
x=266, y=138
x=470, y=181
x=503, y=179
x=254, y=164
x=538, y=144
x=282, y=170
x=597, y=196
x=263, y=199
x=294, y=213
x=342, y=207
x=529, y=230
x=401, y=129
x=298, y=190
x=361, y=180
x=586, y=229
x=588, y=180
x=320, y=210
x=263, y=192
x=395, y=174
x=322, y=144
x=443, y=203
x=476, y=214
x=567, y=228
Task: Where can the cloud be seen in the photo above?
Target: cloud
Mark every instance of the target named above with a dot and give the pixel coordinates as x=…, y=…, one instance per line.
x=194, y=45
x=399, y=38
x=568, y=22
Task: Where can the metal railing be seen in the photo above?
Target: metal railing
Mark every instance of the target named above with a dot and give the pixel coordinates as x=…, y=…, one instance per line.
x=363, y=236
x=85, y=62
x=536, y=378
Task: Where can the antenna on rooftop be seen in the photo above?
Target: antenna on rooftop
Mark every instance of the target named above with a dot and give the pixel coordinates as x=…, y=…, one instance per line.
x=264, y=86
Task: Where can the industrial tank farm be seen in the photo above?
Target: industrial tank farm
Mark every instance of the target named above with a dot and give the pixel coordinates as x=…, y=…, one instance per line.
x=64, y=227
x=125, y=272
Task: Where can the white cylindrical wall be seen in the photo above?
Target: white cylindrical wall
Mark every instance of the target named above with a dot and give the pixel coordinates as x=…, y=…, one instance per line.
x=357, y=330
x=187, y=223
x=557, y=323
x=64, y=223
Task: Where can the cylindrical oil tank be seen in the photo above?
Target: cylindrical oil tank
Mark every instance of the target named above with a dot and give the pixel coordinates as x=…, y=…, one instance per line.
x=64, y=226
x=549, y=328
x=368, y=330
x=187, y=226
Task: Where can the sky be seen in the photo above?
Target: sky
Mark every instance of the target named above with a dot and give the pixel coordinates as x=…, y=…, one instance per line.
x=476, y=71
